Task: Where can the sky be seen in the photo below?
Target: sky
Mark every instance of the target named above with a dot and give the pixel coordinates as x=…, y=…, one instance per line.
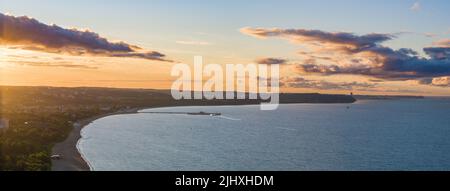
x=366, y=47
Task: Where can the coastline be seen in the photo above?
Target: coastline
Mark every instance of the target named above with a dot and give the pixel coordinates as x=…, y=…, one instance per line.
x=71, y=158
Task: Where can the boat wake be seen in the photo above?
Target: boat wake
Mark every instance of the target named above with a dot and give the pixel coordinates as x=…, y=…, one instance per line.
x=228, y=118
x=284, y=128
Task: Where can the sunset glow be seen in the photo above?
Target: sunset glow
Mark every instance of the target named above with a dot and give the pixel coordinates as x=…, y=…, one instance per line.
x=101, y=48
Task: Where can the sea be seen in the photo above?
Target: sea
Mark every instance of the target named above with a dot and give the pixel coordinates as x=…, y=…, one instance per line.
x=400, y=134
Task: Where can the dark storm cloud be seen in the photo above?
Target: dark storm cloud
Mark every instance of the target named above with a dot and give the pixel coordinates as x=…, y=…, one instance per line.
x=27, y=33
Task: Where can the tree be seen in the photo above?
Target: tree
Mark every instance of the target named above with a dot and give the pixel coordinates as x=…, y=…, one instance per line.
x=37, y=162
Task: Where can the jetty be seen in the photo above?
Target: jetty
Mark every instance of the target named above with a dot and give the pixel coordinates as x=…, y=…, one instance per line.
x=185, y=113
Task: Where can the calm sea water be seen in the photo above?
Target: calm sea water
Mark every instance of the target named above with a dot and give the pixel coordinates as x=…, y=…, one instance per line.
x=370, y=135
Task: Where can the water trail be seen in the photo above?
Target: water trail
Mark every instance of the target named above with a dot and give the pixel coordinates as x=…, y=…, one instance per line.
x=284, y=128
x=229, y=118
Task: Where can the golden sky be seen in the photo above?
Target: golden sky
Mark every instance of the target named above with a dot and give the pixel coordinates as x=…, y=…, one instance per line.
x=139, y=52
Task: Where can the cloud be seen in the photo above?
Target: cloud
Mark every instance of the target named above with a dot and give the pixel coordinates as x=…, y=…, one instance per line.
x=439, y=82
x=391, y=68
x=270, y=61
x=200, y=43
x=299, y=82
x=343, y=39
x=347, y=53
x=62, y=64
x=30, y=34
x=431, y=35
x=441, y=51
x=442, y=43
x=415, y=7
x=438, y=53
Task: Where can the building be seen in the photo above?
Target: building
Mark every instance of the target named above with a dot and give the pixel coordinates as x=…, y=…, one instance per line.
x=4, y=124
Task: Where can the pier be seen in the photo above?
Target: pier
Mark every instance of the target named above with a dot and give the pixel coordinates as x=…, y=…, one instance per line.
x=185, y=113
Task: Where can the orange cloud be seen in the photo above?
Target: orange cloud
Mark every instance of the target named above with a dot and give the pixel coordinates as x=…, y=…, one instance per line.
x=30, y=34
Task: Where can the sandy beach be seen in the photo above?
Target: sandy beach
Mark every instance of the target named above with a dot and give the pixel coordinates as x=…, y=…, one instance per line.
x=71, y=159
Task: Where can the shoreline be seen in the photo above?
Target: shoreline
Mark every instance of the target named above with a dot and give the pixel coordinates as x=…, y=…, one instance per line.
x=71, y=158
